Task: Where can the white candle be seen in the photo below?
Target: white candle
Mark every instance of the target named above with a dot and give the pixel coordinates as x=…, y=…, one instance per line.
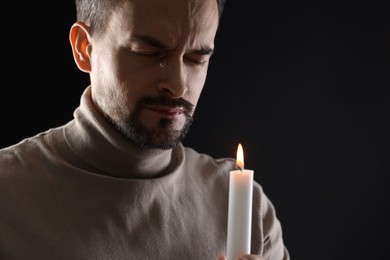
x=240, y=209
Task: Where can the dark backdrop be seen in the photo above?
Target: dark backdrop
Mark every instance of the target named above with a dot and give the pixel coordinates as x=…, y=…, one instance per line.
x=303, y=86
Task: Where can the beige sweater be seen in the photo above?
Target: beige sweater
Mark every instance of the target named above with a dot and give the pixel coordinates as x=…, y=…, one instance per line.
x=82, y=191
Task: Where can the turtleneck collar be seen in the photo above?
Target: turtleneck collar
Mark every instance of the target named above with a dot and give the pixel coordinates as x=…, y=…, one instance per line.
x=100, y=145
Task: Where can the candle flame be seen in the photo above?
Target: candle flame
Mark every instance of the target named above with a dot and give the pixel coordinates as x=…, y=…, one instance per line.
x=240, y=157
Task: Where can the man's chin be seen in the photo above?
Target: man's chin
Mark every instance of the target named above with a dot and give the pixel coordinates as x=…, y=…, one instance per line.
x=160, y=140
x=175, y=123
x=166, y=133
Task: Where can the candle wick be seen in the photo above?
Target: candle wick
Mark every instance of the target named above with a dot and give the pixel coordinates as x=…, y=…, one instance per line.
x=238, y=167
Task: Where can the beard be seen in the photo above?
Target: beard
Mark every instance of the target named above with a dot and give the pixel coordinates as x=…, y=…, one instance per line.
x=163, y=136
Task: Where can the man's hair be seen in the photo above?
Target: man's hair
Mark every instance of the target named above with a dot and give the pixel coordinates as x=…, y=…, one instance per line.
x=95, y=13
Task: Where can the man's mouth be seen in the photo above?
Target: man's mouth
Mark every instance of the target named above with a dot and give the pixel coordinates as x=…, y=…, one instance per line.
x=166, y=110
x=166, y=107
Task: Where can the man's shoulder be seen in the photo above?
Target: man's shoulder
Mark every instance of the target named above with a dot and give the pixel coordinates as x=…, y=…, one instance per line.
x=25, y=150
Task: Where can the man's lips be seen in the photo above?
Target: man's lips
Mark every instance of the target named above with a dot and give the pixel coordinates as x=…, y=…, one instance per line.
x=165, y=110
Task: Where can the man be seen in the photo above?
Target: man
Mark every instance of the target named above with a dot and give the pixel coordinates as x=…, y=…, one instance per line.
x=116, y=181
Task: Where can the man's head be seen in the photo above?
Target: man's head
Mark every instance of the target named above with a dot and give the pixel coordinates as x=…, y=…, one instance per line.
x=147, y=61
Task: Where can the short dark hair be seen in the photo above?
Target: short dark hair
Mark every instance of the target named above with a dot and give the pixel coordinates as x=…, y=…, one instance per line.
x=96, y=13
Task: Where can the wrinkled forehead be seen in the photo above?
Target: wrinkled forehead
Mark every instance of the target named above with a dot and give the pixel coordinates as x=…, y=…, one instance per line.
x=170, y=20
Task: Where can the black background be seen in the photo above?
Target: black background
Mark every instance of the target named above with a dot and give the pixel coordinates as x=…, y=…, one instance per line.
x=304, y=86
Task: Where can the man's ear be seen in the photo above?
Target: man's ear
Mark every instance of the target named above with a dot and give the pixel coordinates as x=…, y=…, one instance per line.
x=79, y=39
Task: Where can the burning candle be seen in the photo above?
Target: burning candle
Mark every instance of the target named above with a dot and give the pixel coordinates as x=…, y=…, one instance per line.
x=240, y=209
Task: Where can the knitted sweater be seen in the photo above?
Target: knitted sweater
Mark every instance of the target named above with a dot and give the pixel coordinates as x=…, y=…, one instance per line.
x=83, y=191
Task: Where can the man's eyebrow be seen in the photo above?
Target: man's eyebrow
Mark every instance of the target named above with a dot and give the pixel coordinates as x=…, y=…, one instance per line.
x=145, y=39
x=203, y=51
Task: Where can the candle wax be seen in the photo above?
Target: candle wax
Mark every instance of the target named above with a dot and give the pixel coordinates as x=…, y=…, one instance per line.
x=239, y=213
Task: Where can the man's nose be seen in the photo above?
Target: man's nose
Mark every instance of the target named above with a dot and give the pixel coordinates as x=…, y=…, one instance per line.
x=174, y=78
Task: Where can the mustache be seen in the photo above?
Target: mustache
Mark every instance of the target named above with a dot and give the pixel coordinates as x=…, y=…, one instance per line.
x=166, y=101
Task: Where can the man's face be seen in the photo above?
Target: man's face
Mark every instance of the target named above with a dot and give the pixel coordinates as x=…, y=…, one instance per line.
x=150, y=65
